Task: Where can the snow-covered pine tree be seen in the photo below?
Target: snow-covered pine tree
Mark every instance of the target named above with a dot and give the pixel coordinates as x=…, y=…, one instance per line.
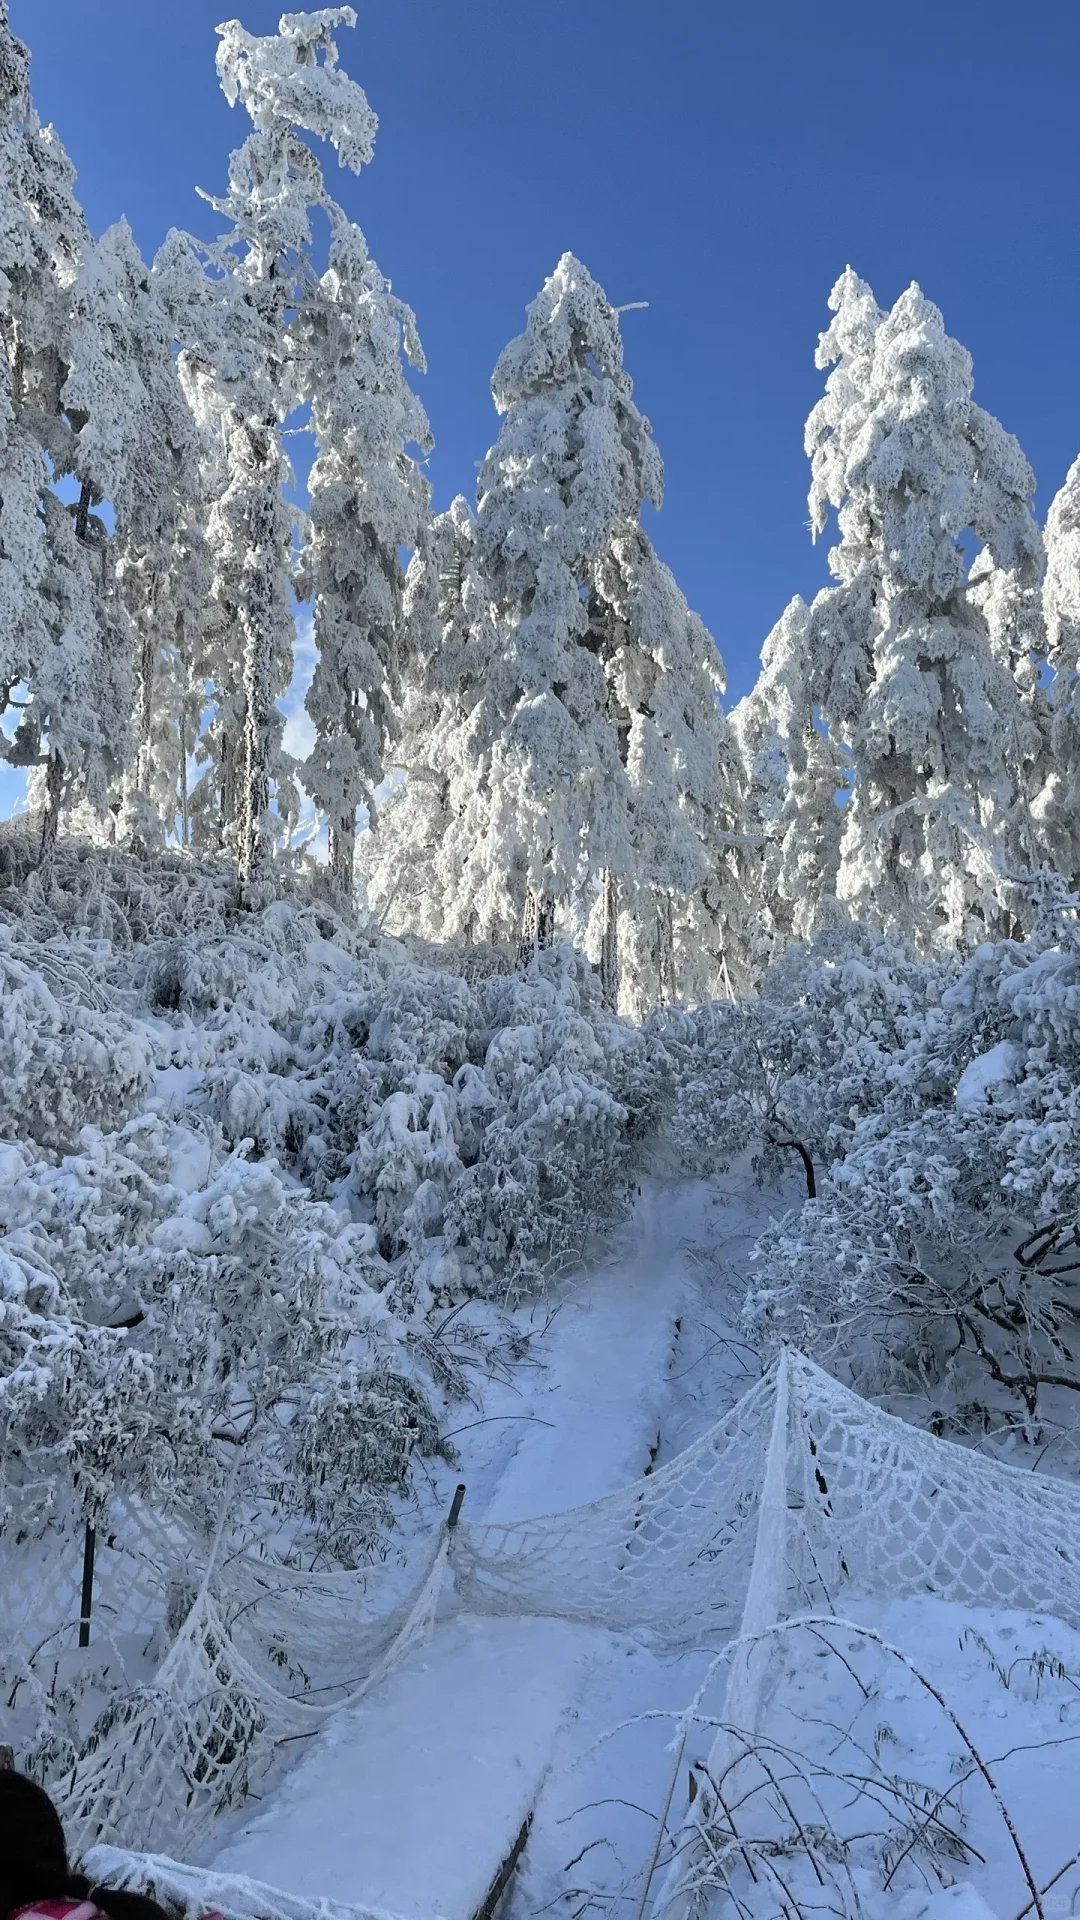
x=234, y=305
x=27, y=302
x=1057, y=806
x=418, y=862
x=136, y=447
x=686, y=898
x=794, y=772
x=61, y=642
x=369, y=499
x=574, y=461
x=901, y=668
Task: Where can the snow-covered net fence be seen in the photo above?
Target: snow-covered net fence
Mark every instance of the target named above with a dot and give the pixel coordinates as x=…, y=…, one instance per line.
x=198, y=1668
x=874, y=1505
x=801, y=1494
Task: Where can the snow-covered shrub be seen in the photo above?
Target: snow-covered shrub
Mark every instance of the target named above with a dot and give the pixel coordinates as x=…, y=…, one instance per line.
x=798, y=1067
x=248, y=1148
x=939, y=1258
x=168, y=1342
x=63, y=1064
x=495, y=1131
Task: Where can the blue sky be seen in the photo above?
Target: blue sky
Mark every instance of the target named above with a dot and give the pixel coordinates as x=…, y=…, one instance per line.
x=722, y=162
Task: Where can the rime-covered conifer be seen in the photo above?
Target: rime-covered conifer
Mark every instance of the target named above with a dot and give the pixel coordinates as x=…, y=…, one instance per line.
x=901, y=667
x=574, y=461
x=245, y=375
x=687, y=887
x=419, y=861
x=369, y=500
x=794, y=774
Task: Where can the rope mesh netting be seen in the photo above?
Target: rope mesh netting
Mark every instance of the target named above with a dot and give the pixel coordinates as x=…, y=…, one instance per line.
x=801, y=1491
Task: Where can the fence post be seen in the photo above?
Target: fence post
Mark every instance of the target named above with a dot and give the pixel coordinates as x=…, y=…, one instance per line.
x=87, y=1607
x=455, y=1507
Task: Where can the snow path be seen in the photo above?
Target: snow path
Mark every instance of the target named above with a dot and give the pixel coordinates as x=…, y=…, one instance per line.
x=411, y=1800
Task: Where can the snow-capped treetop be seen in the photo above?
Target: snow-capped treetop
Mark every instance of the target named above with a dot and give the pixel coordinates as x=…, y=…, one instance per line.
x=246, y=369
x=279, y=78
x=666, y=676
x=574, y=459
x=794, y=771
x=564, y=377
x=900, y=448
x=135, y=432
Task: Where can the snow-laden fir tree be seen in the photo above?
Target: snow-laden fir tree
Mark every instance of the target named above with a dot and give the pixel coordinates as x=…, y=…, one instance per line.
x=138, y=448
x=32, y=227
x=1057, y=806
x=573, y=462
x=63, y=639
x=418, y=858
x=234, y=305
x=369, y=500
x=795, y=772
x=687, y=890
x=901, y=666
x=563, y=740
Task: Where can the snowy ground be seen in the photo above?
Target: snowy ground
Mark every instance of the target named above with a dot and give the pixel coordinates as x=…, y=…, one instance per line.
x=412, y=1799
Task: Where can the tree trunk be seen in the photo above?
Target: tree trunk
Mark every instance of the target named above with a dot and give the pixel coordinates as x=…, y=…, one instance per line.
x=255, y=799
x=537, y=925
x=343, y=855
x=665, y=950
x=146, y=712
x=609, y=944
x=185, y=825
x=82, y=511
x=50, y=826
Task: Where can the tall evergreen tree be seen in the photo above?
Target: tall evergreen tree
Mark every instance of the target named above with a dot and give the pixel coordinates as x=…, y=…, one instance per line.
x=1057, y=806
x=574, y=461
x=795, y=772
x=369, y=499
x=687, y=888
x=91, y=396
x=419, y=863
x=901, y=665
x=235, y=305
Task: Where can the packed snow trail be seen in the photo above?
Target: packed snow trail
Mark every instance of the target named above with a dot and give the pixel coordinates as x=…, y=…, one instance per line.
x=412, y=1800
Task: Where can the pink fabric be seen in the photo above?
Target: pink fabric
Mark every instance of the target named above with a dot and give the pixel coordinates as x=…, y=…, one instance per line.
x=58, y=1910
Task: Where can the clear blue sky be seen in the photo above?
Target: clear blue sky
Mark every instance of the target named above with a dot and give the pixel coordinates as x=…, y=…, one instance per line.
x=723, y=162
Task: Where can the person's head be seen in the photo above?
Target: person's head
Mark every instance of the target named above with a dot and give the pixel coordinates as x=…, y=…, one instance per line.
x=33, y=1851
x=34, y=1859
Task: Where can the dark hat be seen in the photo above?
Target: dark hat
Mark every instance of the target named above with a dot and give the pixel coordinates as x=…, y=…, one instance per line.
x=33, y=1851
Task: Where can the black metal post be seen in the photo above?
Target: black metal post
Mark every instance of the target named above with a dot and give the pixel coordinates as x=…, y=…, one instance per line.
x=455, y=1508
x=89, y=1545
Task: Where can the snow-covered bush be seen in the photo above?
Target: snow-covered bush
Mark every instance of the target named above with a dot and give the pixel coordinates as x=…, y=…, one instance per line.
x=245, y=1151
x=798, y=1067
x=63, y=1064
x=938, y=1259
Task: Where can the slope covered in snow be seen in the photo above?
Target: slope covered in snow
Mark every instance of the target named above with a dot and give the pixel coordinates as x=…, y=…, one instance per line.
x=413, y=1799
